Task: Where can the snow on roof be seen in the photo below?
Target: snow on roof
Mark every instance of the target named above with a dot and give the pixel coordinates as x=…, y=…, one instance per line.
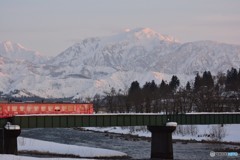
x=9, y=126
x=172, y=124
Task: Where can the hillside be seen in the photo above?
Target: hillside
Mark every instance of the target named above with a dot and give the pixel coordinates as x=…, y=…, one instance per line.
x=94, y=65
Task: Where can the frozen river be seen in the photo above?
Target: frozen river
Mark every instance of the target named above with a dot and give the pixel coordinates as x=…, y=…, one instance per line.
x=135, y=148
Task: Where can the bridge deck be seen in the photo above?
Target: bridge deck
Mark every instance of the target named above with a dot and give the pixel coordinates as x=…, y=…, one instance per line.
x=106, y=120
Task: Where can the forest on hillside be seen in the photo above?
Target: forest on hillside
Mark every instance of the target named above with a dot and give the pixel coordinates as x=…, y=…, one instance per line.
x=206, y=93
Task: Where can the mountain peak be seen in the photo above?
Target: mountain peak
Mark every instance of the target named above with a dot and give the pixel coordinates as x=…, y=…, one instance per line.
x=7, y=42
x=148, y=33
x=140, y=29
x=9, y=46
x=16, y=51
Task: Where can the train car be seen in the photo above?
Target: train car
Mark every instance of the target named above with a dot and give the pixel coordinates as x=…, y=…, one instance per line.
x=12, y=109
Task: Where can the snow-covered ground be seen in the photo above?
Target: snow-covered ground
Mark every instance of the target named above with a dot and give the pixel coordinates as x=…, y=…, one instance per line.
x=203, y=132
x=13, y=157
x=32, y=145
x=27, y=144
x=232, y=133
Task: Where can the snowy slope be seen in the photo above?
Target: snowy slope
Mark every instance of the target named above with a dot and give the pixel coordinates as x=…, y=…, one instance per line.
x=133, y=50
x=28, y=144
x=94, y=65
x=200, y=56
x=15, y=51
x=232, y=132
x=46, y=147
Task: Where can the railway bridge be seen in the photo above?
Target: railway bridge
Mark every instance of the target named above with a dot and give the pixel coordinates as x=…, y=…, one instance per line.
x=159, y=125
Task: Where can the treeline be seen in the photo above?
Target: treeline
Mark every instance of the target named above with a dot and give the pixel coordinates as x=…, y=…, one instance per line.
x=206, y=93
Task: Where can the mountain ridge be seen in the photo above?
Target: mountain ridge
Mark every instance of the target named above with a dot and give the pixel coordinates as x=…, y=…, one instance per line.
x=16, y=51
x=94, y=65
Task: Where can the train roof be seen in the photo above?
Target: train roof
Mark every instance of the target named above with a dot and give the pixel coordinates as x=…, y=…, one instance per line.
x=33, y=102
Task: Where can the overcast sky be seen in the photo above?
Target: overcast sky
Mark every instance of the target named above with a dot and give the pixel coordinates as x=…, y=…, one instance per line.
x=50, y=26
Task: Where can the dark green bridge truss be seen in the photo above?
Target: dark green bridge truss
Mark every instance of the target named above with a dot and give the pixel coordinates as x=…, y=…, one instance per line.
x=107, y=120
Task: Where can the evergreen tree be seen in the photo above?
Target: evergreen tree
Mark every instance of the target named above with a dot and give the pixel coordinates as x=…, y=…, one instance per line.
x=207, y=80
x=135, y=87
x=238, y=80
x=153, y=86
x=232, y=79
x=149, y=93
x=150, y=88
x=221, y=79
x=135, y=96
x=147, y=87
x=197, y=83
x=174, y=83
x=163, y=85
x=188, y=86
x=163, y=88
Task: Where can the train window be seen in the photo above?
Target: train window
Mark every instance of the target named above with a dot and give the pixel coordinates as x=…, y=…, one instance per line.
x=0, y=108
x=64, y=108
x=36, y=108
x=22, y=108
x=70, y=108
x=43, y=108
x=82, y=107
x=8, y=108
x=57, y=108
x=29, y=108
x=14, y=108
x=50, y=108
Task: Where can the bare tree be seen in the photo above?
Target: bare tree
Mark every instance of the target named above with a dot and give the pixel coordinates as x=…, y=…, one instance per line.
x=218, y=132
x=97, y=102
x=109, y=97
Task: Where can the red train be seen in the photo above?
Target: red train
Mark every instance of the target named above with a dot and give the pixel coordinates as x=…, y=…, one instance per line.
x=12, y=109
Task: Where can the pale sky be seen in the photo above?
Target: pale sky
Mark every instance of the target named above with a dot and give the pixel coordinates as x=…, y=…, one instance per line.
x=51, y=26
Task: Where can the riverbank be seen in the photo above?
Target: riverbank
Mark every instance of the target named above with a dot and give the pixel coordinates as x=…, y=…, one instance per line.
x=124, y=135
x=203, y=134
x=136, y=148
x=40, y=148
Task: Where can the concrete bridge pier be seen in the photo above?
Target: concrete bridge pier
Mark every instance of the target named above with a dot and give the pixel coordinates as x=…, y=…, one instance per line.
x=161, y=145
x=8, y=139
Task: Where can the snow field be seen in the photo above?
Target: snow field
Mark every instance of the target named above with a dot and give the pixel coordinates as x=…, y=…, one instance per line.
x=27, y=144
x=232, y=132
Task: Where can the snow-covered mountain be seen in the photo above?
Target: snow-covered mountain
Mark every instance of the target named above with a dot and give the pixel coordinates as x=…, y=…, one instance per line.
x=132, y=50
x=94, y=65
x=201, y=56
x=15, y=51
